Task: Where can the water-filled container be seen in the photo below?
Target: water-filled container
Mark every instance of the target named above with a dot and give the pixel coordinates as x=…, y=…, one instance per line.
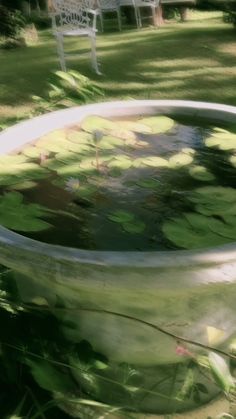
x=113, y=298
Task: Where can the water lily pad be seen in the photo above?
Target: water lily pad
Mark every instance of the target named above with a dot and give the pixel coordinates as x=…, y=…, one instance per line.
x=68, y=170
x=80, y=148
x=115, y=172
x=218, y=129
x=24, y=171
x=67, y=157
x=214, y=200
x=134, y=227
x=155, y=162
x=223, y=228
x=135, y=126
x=7, y=180
x=222, y=140
x=188, y=150
x=34, y=152
x=158, y=124
x=148, y=183
x=7, y=160
x=86, y=191
x=97, y=123
x=80, y=137
x=88, y=165
x=53, y=164
x=54, y=146
x=120, y=162
x=232, y=160
x=180, y=232
x=16, y=215
x=197, y=221
x=180, y=160
x=109, y=142
x=53, y=136
x=124, y=134
x=121, y=216
x=28, y=184
x=201, y=173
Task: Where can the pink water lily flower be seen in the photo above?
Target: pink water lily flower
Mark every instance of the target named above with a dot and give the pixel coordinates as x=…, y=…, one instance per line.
x=72, y=184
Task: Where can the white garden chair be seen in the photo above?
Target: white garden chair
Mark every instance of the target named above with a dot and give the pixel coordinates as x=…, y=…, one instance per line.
x=137, y=5
x=74, y=18
x=105, y=6
x=153, y=4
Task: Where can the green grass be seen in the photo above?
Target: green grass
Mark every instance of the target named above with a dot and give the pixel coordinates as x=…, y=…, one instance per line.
x=195, y=60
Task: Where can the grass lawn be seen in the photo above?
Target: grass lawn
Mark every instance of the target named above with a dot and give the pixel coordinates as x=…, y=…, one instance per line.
x=195, y=60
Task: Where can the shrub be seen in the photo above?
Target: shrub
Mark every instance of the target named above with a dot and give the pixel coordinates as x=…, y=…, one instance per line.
x=12, y=21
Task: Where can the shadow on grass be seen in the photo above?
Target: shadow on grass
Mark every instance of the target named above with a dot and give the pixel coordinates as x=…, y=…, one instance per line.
x=175, y=61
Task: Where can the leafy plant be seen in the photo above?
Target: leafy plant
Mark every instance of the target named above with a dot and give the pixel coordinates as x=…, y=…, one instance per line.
x=12, y=21
x=65, y=90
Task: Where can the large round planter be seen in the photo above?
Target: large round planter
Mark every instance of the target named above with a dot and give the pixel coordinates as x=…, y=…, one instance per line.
x=183, y=292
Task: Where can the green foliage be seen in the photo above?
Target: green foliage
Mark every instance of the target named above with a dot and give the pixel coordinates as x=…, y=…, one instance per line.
x=128, y=221
x=12, y=21
x=221, y=372
x=65, y=90
x=202, y=228
x=18, y=216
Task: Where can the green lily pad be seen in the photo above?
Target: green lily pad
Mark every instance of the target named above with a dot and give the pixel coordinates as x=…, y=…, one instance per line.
x=180, y=232
x=53, y=163
x=53, y=136
x=222, y=140
x=138, y=163
x=201, y=173
x=148, y=183
x=68, y=170
x=80, y=137
x=34, y=152
x=180, y=160
x=24, y=171
x=54, y=146
x=120, y=162
x=115, y=172
x=232, y=160
x=67, y=157
x=121, y=216
x=97, y=123
x=109, y=142
x=7, y=160
x=28, y=184
x=188, y=150
x=155, y=162
x=80, y=148
x=86, y=191
x=16, y=215
x=214, y=200
x=218, y=129
x=217, y=194
x=158, y=124
x=124, y=134
x=135, y=126
x=223, y=228
x=134, y=227
x=88, y=165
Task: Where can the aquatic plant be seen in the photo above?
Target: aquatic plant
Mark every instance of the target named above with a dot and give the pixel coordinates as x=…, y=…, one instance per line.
x=202, y=228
